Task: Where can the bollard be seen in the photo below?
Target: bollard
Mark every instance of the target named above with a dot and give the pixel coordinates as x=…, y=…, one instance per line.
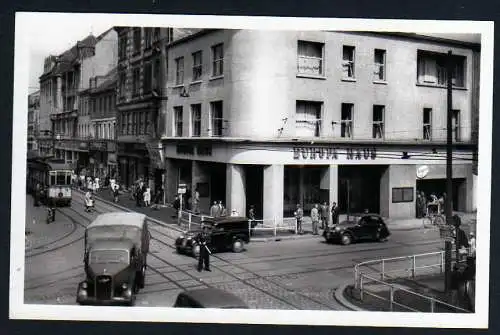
x=383, y=269
x=361, y=287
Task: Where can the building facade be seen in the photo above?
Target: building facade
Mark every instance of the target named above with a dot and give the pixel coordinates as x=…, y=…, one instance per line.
x=102, y=146
x=276, y=119
x=64, y=96
x=33, y=120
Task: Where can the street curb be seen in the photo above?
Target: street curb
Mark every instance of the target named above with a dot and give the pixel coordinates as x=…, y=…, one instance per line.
x=339, y=296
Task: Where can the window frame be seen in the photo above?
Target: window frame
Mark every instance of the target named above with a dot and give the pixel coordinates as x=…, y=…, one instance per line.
x=148, y=38
x=317, y=123
x=217, y=63
x=431, y=69
x=179, y=71
x=321, y=72
x=347, y=124
x=349, y=63
x=380, y=65
x=427, y=126
x=178, y=118
x=196, y=120
x=147, y=78
x=216, y=123
x=378, y=124
x=197, y=67
x=398, y=194
x=456, y=120
x=136, y=81
x=136, y=38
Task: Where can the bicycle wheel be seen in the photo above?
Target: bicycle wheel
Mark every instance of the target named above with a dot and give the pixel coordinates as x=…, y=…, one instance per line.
x=427, y=222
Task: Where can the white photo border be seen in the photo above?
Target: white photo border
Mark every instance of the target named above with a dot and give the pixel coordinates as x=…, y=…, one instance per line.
x=27, y=22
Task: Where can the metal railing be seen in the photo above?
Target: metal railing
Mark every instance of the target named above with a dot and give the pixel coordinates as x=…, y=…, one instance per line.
x=433, y=302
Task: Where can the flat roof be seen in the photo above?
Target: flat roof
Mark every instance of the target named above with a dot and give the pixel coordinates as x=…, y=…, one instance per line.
x=119, y=219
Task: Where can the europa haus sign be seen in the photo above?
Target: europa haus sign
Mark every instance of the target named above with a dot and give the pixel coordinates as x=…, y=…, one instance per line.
x=334, y=153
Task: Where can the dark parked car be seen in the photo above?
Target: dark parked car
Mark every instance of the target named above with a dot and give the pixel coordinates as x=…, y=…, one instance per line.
x=358, y=227
x=209, y=298
x=115, y=259
x=225, y=233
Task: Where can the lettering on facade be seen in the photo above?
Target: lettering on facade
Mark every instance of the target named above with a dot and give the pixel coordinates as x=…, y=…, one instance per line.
x=320, y=153
x=204, y=150
x=185, y=149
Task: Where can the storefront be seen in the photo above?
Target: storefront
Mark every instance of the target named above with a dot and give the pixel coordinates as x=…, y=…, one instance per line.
x=102, y=159
x=275, y=177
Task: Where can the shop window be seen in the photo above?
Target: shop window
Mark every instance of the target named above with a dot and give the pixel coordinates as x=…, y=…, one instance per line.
x=402, y=194
x=137, y=40
x=431, y=69
x=196, y=120
x=310, y=58
x=455, y=123
x=178, y=121
x=216, y=117
x=308, y=118
x=427, y=124
x=218, y=60
x=346, y=120
x=379, y=58
x=179, y=71
x=348, y=61
x=378, y=121
x=197, y=65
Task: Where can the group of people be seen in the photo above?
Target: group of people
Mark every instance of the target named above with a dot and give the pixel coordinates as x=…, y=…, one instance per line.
x=432, y=205
x=320, y=215
x=89, y=183
x=142, y=195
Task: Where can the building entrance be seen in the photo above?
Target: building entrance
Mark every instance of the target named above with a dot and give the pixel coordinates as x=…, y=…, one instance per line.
x=438, y=187
x=254, y=181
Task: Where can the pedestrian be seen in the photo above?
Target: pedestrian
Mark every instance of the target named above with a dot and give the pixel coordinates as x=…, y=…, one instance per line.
x=461, y=238
x=221, y=208
x=335, y=214
x=177, y=207
x=158, y=197
x=324, y=215
x=315, y=219
x=203, y=240
x=418, y=207
x=299, y=214
x=115, y=193
x=214, y=210
x=147, y=197
x=251, y=215
x=89, y=202
x=196, y=202
x=138, y=190
x=97, y=186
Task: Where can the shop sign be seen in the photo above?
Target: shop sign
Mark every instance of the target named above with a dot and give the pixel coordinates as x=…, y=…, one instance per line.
x=98, y=145
x=334, y=153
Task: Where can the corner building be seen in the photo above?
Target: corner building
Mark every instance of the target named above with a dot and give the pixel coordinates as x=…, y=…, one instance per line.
x=280, y=118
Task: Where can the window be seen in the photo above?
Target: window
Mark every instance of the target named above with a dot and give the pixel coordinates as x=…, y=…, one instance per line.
x=141, y=123
x=402, y=194
x=427, y=124
x=310, y=58
x=137, y=40
x=135, y=81
x=346, y=120
x=156, y=35
x=156, y=74
x=178, y=121
x=196, y=120
x=379, y=59
x=455, y=124
x=197, y=65
x=378, y=121
x=179, y=71
x=431, y=69
x=348, y=61
x=217, y=118
x=129, y=123
x=148, y=78
x=147, y=124
x=148, y=37
x=218, y=60
x=122, y=51
x=124, y=124
x=308, y=118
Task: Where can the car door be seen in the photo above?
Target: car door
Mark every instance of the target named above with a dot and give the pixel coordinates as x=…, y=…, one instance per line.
x=365, y=228
x=217, y=233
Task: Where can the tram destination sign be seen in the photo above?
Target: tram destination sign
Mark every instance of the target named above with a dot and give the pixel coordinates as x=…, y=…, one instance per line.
x=333, y=153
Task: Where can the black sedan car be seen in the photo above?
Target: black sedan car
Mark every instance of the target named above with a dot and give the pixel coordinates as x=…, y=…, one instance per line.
x=358, y=227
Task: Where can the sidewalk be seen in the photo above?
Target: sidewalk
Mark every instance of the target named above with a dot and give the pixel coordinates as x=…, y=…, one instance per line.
x=40, y=234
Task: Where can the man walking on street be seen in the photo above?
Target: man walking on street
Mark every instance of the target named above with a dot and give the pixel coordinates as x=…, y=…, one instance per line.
x=335, y=214
x=204, y=256
x=196, y=202
x=315, y=219
x=324, y=215
x=299, y=214
x=214, y=210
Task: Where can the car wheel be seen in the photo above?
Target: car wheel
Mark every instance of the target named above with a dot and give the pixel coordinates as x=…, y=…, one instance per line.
x=196, y=250
x=346, y=239
x=237, y=245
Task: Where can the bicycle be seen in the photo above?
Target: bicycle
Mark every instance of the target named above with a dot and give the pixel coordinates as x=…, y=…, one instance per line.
x=434, y=220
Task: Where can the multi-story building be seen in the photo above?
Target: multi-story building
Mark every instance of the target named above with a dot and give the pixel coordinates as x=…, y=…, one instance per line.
x=280, y=118
x=65, y=78
x=102, y=146
x=33, y=116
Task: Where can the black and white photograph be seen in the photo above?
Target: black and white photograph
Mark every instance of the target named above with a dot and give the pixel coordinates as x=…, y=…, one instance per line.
x=270, y=170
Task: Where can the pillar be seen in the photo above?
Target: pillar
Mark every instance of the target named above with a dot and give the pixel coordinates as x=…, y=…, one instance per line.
x=333, y=183
x=273, y=192
x=235, y=188
x=171, y=179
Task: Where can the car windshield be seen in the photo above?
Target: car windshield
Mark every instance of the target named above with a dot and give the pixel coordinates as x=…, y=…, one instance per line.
x=108, y=256
x=113, y=232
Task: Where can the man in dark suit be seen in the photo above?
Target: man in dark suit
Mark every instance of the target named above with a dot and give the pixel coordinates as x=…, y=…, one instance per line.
x=335, y=214
x=203, y=240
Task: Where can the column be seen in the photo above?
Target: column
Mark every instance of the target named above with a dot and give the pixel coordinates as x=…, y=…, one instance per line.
x=235, y=188
x=273, y=192
x=333, y=182
x=171, y=179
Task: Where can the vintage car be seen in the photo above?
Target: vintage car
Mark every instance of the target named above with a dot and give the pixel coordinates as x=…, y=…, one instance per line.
x=358, y=227
x=225, y=233
x=209, y=298
x=115, y=258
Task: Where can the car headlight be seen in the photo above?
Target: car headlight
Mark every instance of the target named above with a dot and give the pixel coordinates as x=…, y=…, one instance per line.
x=84, y=285
x=337, y=229
x=182, y=236
x=82, y=293
x=127, y=293
x=124, y=286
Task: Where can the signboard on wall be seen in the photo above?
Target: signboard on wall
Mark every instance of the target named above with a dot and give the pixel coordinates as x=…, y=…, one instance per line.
x=319, y=153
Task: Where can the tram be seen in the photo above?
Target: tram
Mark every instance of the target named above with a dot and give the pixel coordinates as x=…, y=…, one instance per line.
x=54, y=177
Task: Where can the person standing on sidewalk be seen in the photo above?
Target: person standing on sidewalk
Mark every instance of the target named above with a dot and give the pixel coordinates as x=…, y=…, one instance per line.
x=324, y=215
x=335, y=213
x=315, y=219
x=147, y=197
x=214, y=210
x=299, y=214
x=115, y=193
x=196, y=202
